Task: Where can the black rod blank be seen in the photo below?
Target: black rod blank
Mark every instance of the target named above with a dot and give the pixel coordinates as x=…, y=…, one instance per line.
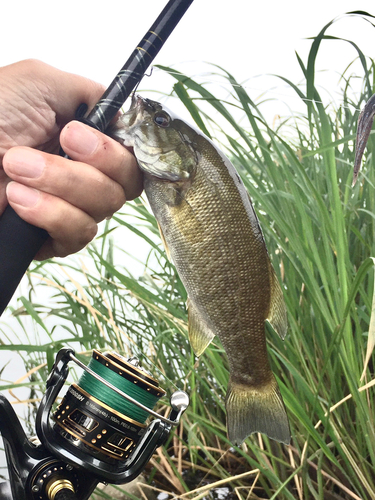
x=135, y=67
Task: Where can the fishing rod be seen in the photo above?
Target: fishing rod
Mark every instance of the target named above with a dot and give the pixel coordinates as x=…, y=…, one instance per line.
x=98, y=432
x=19, y=240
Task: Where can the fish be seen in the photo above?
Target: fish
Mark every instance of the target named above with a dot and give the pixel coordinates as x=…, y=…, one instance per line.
x=212, y=234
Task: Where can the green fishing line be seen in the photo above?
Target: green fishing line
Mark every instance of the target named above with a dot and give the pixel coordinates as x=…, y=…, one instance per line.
x=106, y=395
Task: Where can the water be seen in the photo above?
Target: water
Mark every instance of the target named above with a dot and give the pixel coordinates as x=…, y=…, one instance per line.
x=223, y=493
x=162, y=496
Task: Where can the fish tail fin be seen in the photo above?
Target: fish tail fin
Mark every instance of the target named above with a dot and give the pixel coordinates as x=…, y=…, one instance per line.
x=256, y=409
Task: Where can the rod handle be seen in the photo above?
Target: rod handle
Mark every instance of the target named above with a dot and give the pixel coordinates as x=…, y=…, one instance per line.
x=19, y=243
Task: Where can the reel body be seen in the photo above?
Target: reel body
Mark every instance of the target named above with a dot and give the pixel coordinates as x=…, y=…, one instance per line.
x=86, y=440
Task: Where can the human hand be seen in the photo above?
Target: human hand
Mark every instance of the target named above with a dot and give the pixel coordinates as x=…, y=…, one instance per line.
x=66, y=198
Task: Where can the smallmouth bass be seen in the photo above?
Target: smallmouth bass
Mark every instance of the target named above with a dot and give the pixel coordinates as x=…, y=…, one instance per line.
x=213, y=236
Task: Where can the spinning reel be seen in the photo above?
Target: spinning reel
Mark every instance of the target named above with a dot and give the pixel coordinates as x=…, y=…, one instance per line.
x=98, y=433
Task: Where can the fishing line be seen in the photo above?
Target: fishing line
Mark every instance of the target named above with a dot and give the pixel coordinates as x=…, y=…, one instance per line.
x=133, y=350
x=106, y=395
x=124, y=377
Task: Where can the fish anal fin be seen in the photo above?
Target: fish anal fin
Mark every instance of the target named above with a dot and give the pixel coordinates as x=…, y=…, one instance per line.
x=277, y=313
x=200, y=335
x=165, y=245
x=256, y=409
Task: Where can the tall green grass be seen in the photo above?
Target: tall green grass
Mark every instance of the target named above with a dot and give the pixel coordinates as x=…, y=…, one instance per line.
x=320, y=233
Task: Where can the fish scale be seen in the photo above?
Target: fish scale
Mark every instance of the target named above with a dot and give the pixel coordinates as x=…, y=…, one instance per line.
x=213, y=236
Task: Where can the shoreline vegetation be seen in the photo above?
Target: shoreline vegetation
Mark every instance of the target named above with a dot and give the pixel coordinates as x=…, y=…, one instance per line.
x=320, y=233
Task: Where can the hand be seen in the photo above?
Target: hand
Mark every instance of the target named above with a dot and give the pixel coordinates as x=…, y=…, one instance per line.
x=67, y=198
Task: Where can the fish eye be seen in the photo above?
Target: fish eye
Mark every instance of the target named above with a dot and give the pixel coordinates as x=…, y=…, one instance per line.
x=162, y=119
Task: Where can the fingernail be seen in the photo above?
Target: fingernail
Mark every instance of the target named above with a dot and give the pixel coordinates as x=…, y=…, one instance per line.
x=79, y=138
x=22, y=195
x=24, y=162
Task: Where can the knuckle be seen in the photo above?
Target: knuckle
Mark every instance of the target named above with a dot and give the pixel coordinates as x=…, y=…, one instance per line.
x=76, y=242
x=31, y=64
x=113, y=199
x=33, y=68
x=118, y=198
x=88, y=232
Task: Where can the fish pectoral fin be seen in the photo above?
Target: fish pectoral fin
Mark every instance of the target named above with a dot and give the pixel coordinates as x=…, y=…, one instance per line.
x=277, y=314
x=165, y=244
x=163, y=166
x=200, y=335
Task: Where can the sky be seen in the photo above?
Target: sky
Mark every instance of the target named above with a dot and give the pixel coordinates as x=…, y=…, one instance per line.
x=249, y=39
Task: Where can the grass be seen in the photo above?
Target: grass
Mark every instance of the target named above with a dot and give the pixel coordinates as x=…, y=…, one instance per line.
x=320, y=233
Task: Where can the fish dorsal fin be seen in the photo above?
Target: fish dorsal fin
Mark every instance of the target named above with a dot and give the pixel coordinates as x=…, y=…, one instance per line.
x=277, y=313
x=165, y=245
x=200, y=335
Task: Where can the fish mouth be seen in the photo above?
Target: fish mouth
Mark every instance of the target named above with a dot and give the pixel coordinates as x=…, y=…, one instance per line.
x=139, y=104
x=140, y=109
x=122, y=130
x=134, y=114
x=136, y=104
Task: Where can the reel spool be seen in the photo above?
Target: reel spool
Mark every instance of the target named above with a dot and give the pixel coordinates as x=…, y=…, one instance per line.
x=98, y=420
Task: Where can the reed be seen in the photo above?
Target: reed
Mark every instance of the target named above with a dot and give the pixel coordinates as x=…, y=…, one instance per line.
x=320, y=233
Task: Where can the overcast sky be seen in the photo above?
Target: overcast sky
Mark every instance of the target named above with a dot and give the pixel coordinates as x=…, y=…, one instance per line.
x=248, y=38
